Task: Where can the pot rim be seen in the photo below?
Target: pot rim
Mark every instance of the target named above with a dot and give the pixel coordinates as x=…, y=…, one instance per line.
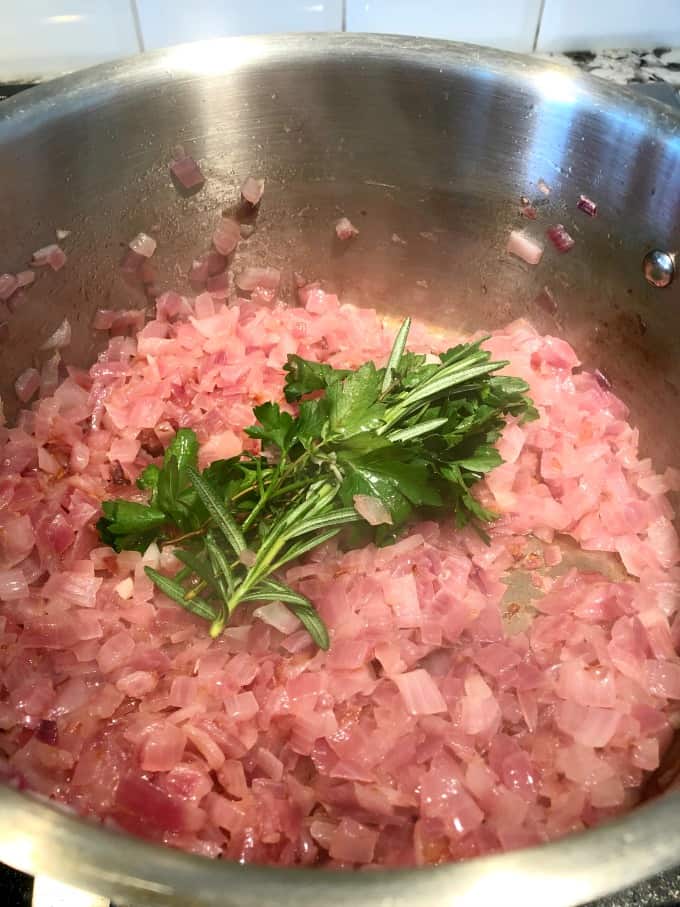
x=40, y=838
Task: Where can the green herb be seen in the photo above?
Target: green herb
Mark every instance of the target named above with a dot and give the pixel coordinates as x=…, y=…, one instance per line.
x=415, y=435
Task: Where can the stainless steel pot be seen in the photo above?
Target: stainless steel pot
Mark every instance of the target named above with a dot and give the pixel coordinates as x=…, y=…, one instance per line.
x=434, y=142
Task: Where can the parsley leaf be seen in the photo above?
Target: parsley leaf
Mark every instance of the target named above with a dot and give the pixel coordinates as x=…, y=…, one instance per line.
x=304, y=377
x=128, y=525
x=353, y=402
x=275, y=428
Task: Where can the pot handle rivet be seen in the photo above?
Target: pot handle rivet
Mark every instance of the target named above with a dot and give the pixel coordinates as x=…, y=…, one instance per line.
x=659, y=267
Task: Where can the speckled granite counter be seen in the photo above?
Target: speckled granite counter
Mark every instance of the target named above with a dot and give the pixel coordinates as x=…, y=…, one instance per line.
x=655, y=69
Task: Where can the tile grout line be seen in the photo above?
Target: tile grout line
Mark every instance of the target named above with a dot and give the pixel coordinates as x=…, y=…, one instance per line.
x=138, y=25
x=539, y=22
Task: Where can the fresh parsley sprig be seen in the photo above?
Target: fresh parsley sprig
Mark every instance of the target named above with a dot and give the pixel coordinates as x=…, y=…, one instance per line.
x=414, y=435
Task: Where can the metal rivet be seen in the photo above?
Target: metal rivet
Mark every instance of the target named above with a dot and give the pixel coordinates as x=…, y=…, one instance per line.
x=659, y=268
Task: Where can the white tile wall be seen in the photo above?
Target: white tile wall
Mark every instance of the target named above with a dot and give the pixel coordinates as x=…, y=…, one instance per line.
x=163, y=23
x=46, y=37
x=508, y=24
x=41, y=38
x=601, y=24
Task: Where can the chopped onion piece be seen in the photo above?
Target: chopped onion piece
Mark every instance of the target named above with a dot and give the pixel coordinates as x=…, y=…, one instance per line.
x=226, y=236
x=278, y=616
x=125, y=588
x=118, y=322
x=420, y=693
x=186, y=171
x=251, y=278
x=52, y=255
x=60, y=338
x=47, y=732
x=8, y=285
x=247, y=557
x=209, y=264
x=143, y=245
x=543, y=187
x=587, y=205
x=524, y=247
x=252, y=190
x=62, y=234
x=527, y=209
x=559, y=237
x=372, y=510
x=345, y=229
x=25, y=278
x=12, y=585
x=27, y=384
x=152, y=556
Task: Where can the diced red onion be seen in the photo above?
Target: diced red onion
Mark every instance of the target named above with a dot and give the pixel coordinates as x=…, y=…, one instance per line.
x=527, y=209
x=27, y=384
x=524, y=247
x=13, y=585
x=278, y=616
x=152, y=556
x=8, y=285
x=186, y=171
x=47, y=462
x=125, y=588
x=252, y=190
x=60, y=338
x=62, y=234
x=587, y=205
x=47, y=732
x=52, y=255
x=345, y=229
x=143, y=245
x=559, y=237
x=118, y=321
x=420, y=693
x=210, y=264
x=252, y=278
x=226, y=236
x=543, y=187
x=25, y=278
x=372, y=510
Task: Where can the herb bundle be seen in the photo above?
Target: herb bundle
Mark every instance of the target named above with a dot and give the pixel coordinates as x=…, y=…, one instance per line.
x=414, y=435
